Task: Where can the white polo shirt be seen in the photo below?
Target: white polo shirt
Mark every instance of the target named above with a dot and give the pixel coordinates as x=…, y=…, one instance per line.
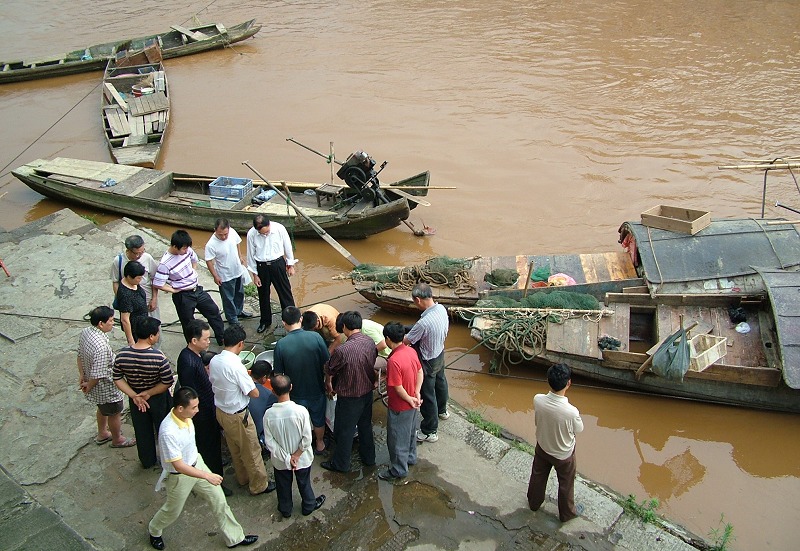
x=225, y=255
x=230, y=382
x=176, y=441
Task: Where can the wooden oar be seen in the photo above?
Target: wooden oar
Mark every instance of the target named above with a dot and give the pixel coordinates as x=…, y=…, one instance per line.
x=317, y=228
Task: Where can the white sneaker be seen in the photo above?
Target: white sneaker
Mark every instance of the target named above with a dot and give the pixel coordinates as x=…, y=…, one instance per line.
x=444, y=416
x=422, y=437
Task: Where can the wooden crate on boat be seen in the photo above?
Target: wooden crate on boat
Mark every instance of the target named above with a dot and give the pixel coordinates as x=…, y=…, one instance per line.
x=705, y=350
x=676, y=219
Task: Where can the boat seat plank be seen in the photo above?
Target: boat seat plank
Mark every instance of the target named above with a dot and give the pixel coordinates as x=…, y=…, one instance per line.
x=148, y=103
x=196, y=36
x=618, y=324
x=117, y=121
x=112, y=95
x=575, y=336
x=136, y=125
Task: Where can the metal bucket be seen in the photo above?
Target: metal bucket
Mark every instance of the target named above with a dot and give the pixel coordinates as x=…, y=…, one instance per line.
x=267, y=355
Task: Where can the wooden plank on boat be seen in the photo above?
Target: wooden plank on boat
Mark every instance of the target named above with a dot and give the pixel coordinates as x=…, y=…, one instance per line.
x=618, y=325
x=189, y=33
x=576, y=336
x=117, y=121
x=148, y=103
x=136, y=125
x=113, y=96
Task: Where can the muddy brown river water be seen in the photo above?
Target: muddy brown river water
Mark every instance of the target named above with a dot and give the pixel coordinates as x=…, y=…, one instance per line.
x=556, y=121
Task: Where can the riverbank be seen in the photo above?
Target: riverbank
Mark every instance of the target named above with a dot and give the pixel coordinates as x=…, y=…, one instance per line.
x=467, y=491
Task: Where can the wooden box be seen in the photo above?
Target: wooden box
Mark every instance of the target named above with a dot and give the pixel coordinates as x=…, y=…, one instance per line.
x=676, y=219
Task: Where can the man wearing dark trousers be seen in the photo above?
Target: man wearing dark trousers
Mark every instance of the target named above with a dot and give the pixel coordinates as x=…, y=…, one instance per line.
x=176, y=274
x=144, y=375
x=287, y=433
x=557, y=423
x=352, y=367
x=192, y=373
x=271, y=261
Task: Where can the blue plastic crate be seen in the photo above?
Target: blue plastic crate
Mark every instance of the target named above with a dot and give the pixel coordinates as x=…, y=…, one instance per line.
x=226, y=187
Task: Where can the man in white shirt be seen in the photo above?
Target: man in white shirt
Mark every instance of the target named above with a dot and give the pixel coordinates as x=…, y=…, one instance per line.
x=135, y=250
x=557, y=423
x=226, y=264
x=271, y=261
x=184, y=471
x=287, y=433
x=233, y=388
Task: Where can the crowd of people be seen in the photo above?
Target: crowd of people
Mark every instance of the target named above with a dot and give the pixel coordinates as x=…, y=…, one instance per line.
x=323, y=374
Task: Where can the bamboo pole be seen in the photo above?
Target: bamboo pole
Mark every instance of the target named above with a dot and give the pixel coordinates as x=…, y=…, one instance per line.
x=762, y=166
x=779, y=222
x=317, y=228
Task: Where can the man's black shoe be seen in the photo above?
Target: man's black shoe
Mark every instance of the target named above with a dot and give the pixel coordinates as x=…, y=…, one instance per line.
x=225, y=490
x=246, y=315
x=317, y=504
x=262, y=327
x=270, y=488
x=286, y=515
x=328, y=466
x=157, y=542
x=387, y=475
x=248, y=540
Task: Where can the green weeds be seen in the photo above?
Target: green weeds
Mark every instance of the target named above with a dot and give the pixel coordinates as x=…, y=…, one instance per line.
x=477, y=419
x=646, y=510
x=722, y=535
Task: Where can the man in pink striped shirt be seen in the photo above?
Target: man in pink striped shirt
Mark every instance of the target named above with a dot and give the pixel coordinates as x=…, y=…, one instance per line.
x=176, y=274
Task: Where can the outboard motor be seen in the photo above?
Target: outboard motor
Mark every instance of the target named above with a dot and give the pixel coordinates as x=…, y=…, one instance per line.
x=358, y=172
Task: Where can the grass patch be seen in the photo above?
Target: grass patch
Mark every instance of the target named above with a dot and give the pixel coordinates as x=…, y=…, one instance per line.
x=477, y=419
x=722, y=535
x=91, y=218
x=646, y=510
x=524, y=447
x=250, y=290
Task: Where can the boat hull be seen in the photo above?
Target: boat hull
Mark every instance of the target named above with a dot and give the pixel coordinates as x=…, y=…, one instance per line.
x=196, y=213
x=73, y=62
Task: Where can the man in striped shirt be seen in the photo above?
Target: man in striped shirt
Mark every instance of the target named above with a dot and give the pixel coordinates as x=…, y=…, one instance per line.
x=176, y=274
x=352, y=368
x=428, y=336
x=95, y=359
x=145, y=376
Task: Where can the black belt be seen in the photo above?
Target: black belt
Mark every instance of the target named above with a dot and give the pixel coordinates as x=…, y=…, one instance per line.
x=268, y=262
x=240, y=411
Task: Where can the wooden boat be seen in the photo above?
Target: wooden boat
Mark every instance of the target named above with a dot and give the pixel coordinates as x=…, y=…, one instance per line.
x=176, y=42
x=135, y=112
x=185, y=200
x=759, y=369
x=718, y=259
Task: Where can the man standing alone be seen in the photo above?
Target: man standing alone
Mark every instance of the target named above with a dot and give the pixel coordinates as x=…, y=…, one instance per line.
x=352, y=365
x=271, y=261
x=287, y=433
x=233, y=388
x=226, y=263
x=185, y=471
x=403, y=384
x=428, y=336
x=557, y=423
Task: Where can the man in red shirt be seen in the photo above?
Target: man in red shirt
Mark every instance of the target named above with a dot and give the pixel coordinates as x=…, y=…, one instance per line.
x=403, y=383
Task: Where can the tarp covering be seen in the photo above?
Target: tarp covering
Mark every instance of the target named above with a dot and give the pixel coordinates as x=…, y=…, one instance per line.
x=784, y=294
x=726, y=248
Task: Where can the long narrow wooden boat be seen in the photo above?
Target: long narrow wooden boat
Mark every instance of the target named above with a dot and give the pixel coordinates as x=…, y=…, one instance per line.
x=134, y=107
x=759, y=368
x=186, y=200
x=176, y=42
x=718, y=259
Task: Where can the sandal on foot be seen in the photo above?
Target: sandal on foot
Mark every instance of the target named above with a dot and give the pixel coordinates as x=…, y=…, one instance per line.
x=127, y=443
x=100, y=442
